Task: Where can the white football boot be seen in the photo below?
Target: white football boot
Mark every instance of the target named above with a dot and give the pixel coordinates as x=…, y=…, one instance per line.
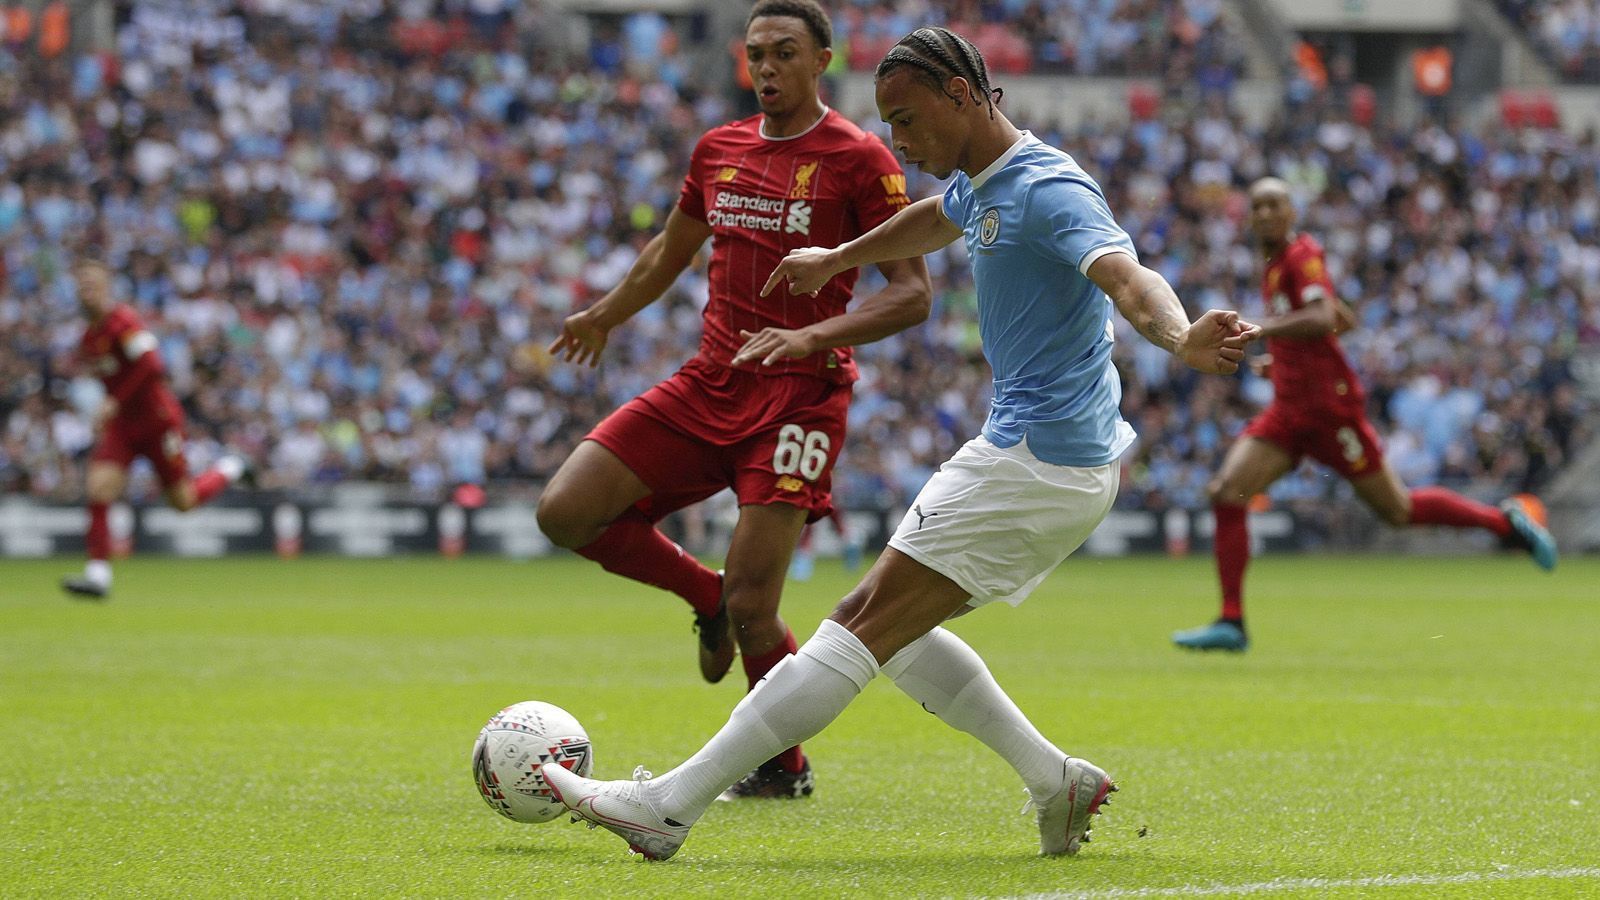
x=621, y=808
x=1065, y=817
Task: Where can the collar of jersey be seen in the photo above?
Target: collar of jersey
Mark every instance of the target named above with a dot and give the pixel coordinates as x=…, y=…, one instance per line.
x=762, y=128
x=989, y=170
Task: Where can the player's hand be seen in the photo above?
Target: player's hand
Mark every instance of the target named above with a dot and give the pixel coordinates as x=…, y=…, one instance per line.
x=805, y=270
x=582, y=339
x=1344, y=318
x=1215, y=342
x=106, y=412
x=772, y=344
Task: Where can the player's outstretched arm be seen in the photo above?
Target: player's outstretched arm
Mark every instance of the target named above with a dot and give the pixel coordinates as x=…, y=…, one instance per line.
x=917, y=230
x=903, y=302
x=1213, y=343
x=1315, y=319
x=584, y=333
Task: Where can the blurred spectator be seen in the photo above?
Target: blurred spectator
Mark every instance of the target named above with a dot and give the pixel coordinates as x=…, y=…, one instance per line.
x=1175, y=39
x=1568, y=31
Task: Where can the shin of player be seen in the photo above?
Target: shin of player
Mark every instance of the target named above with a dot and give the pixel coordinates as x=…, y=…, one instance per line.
x=762, y=407
x=1050, y=262
x=138, y=417
x=1318, y=410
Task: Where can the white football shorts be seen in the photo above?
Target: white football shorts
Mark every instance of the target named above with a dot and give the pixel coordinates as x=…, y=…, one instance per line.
x=997, y=520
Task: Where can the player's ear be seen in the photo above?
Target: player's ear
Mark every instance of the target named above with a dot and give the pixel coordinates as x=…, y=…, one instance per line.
x=958, y=90
x=824, y=58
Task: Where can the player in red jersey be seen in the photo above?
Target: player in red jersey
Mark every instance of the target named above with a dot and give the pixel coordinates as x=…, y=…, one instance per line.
x=1318, y=410
x=139, y=417
x=761, y=408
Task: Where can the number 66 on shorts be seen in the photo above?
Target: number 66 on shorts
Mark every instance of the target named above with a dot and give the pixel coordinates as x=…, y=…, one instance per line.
x=801, y=451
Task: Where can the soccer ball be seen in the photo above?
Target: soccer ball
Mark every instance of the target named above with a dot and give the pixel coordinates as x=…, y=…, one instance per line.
x=518, y=741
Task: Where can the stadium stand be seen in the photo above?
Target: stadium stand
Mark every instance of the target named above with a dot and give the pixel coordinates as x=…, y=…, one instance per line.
x=1568, y=31
x=356, y=225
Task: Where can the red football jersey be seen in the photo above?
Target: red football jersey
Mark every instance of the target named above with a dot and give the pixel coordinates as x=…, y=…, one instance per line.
x=111, y=348
x=766, y=196
x=1306, y=371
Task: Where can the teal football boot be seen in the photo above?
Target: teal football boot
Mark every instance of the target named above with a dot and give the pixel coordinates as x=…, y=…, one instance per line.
x=1530, y=535
x=1219, y=635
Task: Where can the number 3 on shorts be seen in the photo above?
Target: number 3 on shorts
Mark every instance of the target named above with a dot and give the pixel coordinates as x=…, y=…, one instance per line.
x=805, y=452
x=1351, y=444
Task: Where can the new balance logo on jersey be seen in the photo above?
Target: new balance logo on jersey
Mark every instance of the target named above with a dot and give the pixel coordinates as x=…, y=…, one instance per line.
x=799, y=220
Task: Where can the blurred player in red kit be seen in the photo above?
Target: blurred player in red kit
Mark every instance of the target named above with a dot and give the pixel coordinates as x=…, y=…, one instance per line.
x=1318, y=410
x=138, y=417
x=761, y=409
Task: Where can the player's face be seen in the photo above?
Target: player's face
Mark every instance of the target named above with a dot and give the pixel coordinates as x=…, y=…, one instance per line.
x=94, y=290
x=785, y=64
x=1271, y=215
x=925, y=126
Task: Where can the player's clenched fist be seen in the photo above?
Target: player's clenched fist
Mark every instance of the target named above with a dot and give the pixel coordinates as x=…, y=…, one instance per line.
x=582, y=339
x=805, y=270
x=1215, y=342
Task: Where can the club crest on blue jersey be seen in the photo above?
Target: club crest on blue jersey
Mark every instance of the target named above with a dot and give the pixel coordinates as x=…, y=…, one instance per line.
x=990, y=227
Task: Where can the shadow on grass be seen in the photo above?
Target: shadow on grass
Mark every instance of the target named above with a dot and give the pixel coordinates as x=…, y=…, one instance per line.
x=535, y=851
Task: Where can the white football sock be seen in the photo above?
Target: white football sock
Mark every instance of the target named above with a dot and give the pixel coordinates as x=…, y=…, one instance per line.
x=98, y=572
x=951, y=681
x=795, y=700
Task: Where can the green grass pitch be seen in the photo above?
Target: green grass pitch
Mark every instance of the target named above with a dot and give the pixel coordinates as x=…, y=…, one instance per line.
x=254, y=727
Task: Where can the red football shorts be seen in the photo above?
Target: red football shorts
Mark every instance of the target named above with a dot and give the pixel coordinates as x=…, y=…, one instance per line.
x=1343, y=441
x=771, y=438
x=155, y=439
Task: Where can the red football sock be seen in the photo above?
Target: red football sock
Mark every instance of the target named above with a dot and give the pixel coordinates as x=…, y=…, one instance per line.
x=755, y=669
x=1232, y=547
x=633, y=548
x=1437, y=506
x=209, y=484
x=99, y=535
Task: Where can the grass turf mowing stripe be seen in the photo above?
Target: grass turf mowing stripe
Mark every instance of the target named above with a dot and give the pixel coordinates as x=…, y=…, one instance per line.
x=1326, y=884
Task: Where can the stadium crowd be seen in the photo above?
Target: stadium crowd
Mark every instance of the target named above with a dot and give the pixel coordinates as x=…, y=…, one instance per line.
x=1082, y=37
x=356, y=226
x=1568, y=31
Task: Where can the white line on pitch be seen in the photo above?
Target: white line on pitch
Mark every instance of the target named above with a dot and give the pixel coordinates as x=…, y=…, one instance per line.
x=1300, y=884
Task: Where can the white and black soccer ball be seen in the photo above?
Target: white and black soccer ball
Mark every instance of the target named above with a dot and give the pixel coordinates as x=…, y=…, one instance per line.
x=512, y=749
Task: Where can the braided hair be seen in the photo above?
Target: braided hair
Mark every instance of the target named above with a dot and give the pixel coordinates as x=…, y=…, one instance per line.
x=935, y=55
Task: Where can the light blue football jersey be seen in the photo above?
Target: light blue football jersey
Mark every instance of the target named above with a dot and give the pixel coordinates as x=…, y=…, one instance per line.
x=1034, y=222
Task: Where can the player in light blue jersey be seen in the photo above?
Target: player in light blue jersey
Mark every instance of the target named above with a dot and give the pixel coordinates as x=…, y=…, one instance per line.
x=1050, y=262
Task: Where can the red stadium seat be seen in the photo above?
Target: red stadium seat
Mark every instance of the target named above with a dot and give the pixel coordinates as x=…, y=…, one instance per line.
x=1534, y=109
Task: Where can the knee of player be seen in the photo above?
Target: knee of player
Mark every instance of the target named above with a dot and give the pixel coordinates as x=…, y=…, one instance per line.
x=1398, y=515
x=752, y=600
x=100, y=494
x=561, y=521
x=102, y=490
x=1221, y=491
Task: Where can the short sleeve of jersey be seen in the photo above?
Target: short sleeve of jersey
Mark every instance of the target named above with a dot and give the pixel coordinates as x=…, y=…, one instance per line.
x=882, y=191
x=1068, y=221
x=121, y=324
x=692, y=198
x=1308, y=274
x=957, y=202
